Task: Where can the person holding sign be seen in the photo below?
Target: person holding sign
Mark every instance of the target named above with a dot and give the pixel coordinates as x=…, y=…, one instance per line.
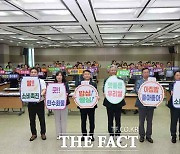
x=174, y=108
x=37, y=108
x=145, y=112
x=90, y=112
x=61, y=115
x=113, y=110
x=14, y=82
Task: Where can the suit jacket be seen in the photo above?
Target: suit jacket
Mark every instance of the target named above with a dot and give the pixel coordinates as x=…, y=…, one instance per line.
x=107, y=104
x=67, y=91
x=137, y=86
x=91, y=83
x=78, y=79
x=170, y=102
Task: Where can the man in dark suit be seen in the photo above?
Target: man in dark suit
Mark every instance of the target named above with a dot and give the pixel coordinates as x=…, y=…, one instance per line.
x=145, y=112
x=90, y=112
x=113, y=110
x=175, y=112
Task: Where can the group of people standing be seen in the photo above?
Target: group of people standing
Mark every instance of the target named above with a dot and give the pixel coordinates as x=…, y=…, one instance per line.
x=113, y=110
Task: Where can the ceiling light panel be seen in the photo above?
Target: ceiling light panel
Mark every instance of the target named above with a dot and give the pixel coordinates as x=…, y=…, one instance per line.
x=166, y=3
x=110, y=41
x=80, y=37
x=169, y=35
x=38, y=29
x=115, y=36
x=41, y=4
x=6, y=6
x=52, y=15
x=177, y=30
x=57, y=37
x=4, y=32
x=70, y=29
x=114, y=14
x=162, y=10
x=113, y=28
x=137, y=36
x=147, y=28
x=116, y=3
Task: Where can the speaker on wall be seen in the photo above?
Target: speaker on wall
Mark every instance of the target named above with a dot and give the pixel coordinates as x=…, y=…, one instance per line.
x=25, y=51
x=171, y=49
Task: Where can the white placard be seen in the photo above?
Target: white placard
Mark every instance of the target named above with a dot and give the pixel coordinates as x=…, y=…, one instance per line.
x=152, y=79
x=114, y=89
x=151, y=93
x=30, y=89
x=85, y=82
x=86, y=96
x=56, y=96
x=176, y=94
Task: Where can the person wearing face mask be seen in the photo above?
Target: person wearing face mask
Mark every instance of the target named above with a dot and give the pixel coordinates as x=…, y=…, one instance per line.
x=174, y=112
x=145, y=112
x=61, y=115
x=37, y=108
x=113, y=110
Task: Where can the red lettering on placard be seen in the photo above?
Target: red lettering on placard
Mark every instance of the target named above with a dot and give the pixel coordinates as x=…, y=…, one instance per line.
x=151, y=89
x=30, y=83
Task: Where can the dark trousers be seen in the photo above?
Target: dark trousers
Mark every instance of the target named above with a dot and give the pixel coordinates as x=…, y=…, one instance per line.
x=112, y=113
x=91, y=115
x=145, y=114
x=175, y=117
x=179, y=126
x=33, y=109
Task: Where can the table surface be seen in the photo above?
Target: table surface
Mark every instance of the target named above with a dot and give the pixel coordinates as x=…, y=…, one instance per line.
x=165, y=81
x=1, y=84
x=2, y=94
x=11, y=89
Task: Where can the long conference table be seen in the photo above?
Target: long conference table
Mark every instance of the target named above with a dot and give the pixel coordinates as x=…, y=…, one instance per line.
x=10, y=97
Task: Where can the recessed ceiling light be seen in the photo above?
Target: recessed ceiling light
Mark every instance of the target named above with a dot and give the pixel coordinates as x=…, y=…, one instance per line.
x=21, y=38
x=40, y=1
x=56, y=12
x=17, y=12
x=163, y=10
x=148, y=44
x=3, y=13
x=10, y=41
x=158, y=29
x=1, y=39
x=13, y=36
x=113, y=11
x=54, y=45
x=176, y=35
